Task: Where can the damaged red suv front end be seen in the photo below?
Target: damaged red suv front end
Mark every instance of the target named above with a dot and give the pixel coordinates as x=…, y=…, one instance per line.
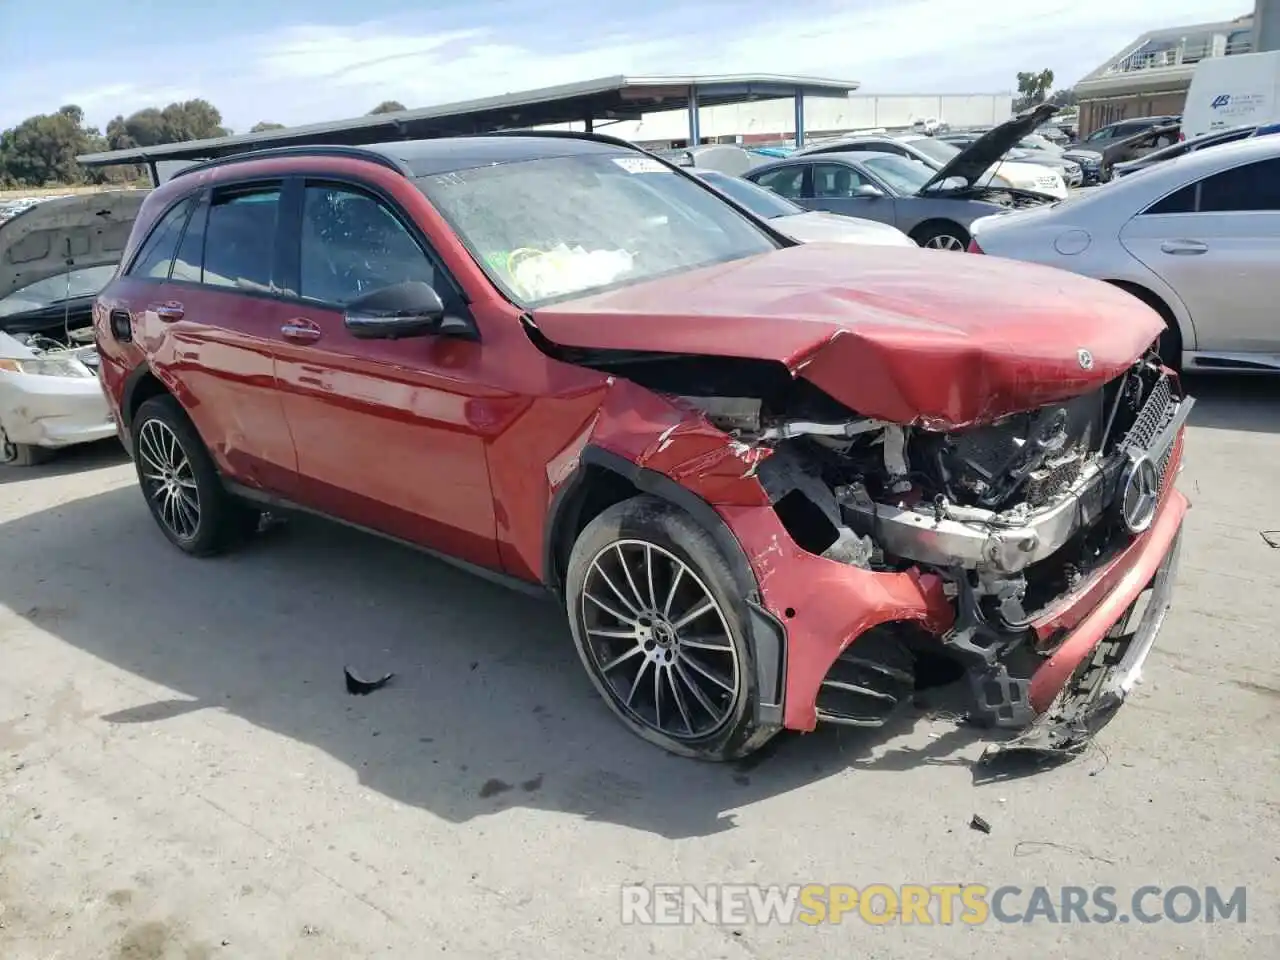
x=965, y=458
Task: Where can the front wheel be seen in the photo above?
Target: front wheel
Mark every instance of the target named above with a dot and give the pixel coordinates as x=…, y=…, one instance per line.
x=659, y=625
x=942, y=236
x=181, y=483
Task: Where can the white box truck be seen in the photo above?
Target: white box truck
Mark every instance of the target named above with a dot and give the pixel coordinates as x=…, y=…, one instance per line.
x=1232, y=91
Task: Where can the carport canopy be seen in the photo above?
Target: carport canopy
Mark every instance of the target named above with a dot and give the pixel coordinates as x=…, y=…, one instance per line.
x=591, y=102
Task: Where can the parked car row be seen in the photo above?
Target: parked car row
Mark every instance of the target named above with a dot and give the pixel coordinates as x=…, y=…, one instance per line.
x=928, y=189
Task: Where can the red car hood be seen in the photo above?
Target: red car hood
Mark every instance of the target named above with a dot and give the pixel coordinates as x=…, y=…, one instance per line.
x=938, y=339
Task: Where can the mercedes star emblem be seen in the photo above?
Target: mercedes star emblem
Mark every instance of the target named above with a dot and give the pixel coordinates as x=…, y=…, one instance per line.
x=1139, y=494
x=1085, y=358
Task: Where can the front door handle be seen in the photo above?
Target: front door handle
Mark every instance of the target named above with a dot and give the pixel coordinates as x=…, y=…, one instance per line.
x=301, y=330
x=1184, y=248
x=169, y=312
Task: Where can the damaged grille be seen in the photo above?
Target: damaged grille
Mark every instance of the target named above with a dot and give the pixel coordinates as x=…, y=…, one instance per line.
x=1156, y=414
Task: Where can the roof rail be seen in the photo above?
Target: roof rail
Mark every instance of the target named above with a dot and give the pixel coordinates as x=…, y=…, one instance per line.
x=563, y=134
x=296, y=150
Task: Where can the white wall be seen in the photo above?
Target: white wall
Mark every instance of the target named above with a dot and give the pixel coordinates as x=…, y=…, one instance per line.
x=821, y=113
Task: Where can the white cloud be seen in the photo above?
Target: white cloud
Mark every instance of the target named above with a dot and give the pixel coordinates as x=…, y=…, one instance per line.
x=312, y=72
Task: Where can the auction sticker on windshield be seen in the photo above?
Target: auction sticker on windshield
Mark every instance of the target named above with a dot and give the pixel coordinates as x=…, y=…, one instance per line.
x=640, y=165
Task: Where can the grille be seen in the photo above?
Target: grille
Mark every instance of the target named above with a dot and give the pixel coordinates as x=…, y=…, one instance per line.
x=1155, y=415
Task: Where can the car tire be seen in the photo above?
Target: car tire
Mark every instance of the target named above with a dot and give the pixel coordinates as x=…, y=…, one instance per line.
x=22, y=454
x=181, y=485
x=942, y=236
x=689, y=688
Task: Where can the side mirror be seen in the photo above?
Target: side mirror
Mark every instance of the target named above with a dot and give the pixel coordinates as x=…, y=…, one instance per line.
x=408, y=309
x=867, y=190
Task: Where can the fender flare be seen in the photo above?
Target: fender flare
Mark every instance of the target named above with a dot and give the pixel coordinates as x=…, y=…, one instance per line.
x=765, y=632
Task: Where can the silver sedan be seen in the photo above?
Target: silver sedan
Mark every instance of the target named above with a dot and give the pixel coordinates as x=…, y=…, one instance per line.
x=899, y=191
x=1197, y=237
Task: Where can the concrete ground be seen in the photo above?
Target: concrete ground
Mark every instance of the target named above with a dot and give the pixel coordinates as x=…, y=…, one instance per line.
x=183, y=776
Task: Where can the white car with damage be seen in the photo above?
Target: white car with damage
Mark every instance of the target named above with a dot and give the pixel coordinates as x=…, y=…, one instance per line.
x=54, y=259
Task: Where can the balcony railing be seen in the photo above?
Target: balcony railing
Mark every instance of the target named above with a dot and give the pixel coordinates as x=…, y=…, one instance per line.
x=1182, y=53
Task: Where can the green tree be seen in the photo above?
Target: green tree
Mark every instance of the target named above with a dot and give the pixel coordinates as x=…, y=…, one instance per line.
x=388, y=106
x=264, y=125
x=42, y=149
x=1033, y=88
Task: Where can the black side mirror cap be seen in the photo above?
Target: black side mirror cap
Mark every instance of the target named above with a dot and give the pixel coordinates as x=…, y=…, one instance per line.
x=408, y=309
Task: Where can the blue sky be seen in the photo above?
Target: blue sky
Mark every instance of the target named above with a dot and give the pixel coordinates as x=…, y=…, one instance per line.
x=291, y=61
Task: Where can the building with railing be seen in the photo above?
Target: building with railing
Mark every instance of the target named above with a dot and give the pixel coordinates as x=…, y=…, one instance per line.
x=1150, y=76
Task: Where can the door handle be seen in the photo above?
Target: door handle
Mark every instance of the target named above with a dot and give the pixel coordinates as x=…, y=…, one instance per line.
x=301, y=330
x=1184, y=247
x=169, y=312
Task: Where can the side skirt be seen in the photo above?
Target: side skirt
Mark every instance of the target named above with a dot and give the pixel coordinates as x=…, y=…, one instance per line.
x=274, y=504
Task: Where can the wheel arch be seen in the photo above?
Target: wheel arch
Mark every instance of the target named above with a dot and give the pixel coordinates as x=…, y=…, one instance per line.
x=603, y=478
x=1161, y=306
x=140, y=386
x=937, y=223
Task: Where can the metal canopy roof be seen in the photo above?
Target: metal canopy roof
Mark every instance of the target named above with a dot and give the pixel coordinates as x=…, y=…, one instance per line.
x=609, y=98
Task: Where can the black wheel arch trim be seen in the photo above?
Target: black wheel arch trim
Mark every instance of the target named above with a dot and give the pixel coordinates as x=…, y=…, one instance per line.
x=765, y=633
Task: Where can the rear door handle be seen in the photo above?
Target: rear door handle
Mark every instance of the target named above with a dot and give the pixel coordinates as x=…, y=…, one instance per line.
x=1184, y=247
x=301, y=330
x=169, y=312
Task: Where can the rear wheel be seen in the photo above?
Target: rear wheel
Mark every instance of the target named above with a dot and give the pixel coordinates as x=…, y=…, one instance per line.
x=942, y=236
x=659, y=625
x=181, y=483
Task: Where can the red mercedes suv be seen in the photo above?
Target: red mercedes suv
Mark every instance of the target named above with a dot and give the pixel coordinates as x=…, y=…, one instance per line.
x=767, y=480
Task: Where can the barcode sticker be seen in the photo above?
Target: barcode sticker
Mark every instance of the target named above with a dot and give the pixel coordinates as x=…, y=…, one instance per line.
x=640, y=165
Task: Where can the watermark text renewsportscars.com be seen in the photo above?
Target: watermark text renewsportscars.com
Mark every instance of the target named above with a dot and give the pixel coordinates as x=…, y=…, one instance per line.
x=942, y=904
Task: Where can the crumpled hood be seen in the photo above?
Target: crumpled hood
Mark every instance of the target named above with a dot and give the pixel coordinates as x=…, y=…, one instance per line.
x=912, y=336
x=974, y=160
x=89, y=230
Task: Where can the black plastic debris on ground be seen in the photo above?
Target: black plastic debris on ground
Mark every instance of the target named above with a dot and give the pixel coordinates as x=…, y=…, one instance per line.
x=977, y=823
x=358, y=687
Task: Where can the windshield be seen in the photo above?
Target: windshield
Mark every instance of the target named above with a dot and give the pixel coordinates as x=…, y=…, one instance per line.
x=938, y=151
x=85, y=282
x=553, y=228
x=763, y=203
x=905, y=175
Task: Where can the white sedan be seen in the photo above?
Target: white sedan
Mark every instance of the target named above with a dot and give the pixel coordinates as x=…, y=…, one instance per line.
x=1196, y=237
x=805, y=226
x=50, y=396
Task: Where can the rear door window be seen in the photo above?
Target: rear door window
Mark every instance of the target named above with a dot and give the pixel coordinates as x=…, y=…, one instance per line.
x=1251, y=187
x=240, y=238
x=155, y=258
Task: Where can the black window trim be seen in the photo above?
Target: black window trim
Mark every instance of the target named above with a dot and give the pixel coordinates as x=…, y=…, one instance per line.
x=133, y=260
x=200, y=196
x=461, y=301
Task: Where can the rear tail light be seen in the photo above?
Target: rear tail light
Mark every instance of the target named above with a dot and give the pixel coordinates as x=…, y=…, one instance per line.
x=974, y=248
